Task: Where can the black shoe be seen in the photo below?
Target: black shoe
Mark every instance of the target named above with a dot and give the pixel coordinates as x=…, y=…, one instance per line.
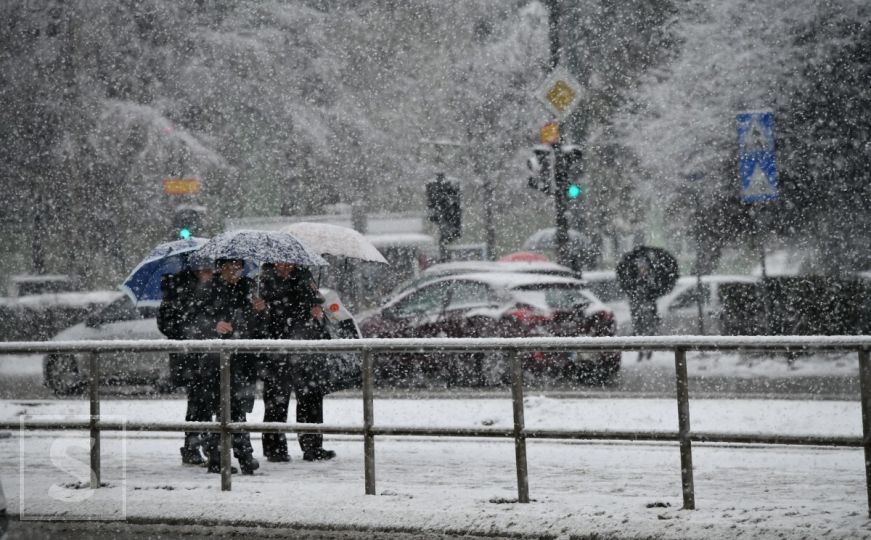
x=318, y=454
x=248, y=464
x=278, y=458
x=191, y=456
x=217, y=469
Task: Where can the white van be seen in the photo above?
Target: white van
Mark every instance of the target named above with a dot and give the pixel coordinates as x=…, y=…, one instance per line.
x=679, y=311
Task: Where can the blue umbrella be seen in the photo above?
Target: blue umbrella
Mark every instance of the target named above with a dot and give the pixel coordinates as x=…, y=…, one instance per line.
x=143, y=283
x=261, y=247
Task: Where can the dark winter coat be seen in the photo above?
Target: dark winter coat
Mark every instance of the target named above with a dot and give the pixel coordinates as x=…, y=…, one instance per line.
x=184, y=300
x=289, y=304
x=233, y=303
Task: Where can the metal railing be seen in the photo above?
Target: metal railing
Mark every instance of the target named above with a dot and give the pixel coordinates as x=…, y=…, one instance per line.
x=512, y=347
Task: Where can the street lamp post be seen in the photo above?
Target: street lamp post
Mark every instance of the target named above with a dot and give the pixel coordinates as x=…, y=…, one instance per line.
x=695, y=178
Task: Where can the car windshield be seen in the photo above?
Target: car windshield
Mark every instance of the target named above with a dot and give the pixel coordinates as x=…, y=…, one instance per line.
x=554, y=296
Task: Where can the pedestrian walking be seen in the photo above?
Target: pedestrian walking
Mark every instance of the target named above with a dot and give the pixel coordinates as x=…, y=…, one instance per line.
x=645, y=274
x=233, y=312
x=184, y=295
x=293, y=311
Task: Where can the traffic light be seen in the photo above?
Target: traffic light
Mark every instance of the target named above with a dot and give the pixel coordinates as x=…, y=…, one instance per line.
x=540, y=164
x=573, y=160
x=574, y=191
x=443, y=207
x=187, y=221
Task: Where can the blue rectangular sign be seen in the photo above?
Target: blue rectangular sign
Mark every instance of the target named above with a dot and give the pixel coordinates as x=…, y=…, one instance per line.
x=756, y=164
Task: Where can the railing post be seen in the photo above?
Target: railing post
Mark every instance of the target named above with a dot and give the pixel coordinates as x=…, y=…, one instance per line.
x=368, y=422
x=516, y=364
x=93, y=421
x=865, y=386
x=226, y=436
x=683, y=419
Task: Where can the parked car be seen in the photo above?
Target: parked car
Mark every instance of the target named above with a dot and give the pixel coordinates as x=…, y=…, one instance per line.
x=679, y=310
x=604, y=284
x=67, y=374
x=440, y=270
x=495, y=304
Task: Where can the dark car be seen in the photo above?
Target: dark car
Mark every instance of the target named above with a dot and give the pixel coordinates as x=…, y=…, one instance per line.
x=494, y=304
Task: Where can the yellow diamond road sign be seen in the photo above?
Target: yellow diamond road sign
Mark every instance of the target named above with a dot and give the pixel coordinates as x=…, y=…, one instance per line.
x=560, y=92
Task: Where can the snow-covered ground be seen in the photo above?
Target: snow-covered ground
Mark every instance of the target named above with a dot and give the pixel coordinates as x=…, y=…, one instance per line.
x=24, y=364
x=469, y=485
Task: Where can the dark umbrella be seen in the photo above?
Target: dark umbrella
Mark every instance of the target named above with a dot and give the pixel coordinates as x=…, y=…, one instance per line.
x=261, y=247
x=647, y=272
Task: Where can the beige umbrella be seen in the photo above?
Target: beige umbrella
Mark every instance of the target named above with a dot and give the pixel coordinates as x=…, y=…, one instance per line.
x=328, y=239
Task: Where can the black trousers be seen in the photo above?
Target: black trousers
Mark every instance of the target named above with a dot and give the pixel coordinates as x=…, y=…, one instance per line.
x=278, y=382
x=199, y=401
x=242, y=380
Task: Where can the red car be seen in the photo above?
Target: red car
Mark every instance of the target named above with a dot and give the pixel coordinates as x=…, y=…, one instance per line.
x=489, y=304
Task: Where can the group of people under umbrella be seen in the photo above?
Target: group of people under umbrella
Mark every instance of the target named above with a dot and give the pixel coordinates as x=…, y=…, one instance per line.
x=248, y=285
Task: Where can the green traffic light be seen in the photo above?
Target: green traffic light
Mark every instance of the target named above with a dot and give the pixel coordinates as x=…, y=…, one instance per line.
x=184, y=233
x=575, y=191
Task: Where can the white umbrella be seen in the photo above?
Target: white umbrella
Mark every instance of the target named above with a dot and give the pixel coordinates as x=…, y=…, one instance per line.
x=328, y=239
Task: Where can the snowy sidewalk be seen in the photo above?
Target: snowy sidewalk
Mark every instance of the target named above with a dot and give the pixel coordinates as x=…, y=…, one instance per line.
x=468, y=486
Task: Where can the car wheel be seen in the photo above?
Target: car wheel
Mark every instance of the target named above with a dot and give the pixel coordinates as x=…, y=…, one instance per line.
x=604, y=370
x=62, y=376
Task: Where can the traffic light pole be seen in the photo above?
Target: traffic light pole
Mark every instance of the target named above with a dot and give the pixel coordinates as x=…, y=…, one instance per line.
x=560, y=199
x=560, y=176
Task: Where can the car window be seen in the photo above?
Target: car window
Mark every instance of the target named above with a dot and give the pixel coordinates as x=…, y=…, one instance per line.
x=464, y=293
x=429, y=298
x=554, y=296
x=688, y=297
x=121, y=309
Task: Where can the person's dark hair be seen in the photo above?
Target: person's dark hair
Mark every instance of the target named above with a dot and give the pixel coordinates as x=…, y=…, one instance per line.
x=221, y=262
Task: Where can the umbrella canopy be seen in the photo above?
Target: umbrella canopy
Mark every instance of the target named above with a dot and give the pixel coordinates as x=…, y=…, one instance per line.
x=143, y=283
x=523, y=256
x=261, y=247
x=647, y=272
x=328, y=239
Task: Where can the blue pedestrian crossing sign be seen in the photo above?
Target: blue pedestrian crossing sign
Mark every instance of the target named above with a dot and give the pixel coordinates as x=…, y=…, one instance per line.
x=757, y=167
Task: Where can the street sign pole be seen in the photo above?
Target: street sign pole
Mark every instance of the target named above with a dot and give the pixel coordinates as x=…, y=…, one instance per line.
x=757, y=169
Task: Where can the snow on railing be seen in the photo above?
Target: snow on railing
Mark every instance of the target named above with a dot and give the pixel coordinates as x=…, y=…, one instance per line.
x=510, y=346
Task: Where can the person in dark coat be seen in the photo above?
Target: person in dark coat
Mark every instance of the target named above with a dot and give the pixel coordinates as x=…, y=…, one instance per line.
x=293, y=311
x=185, y=294
x=642, y=305
x=233, y=313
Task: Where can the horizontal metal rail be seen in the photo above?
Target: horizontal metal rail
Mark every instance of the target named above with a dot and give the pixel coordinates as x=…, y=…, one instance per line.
x=455, y=345
x=461, y=432
x=512, y=347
